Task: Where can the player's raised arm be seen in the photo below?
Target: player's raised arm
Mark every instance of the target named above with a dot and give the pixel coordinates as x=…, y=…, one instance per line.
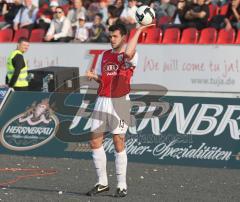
x=131, y=46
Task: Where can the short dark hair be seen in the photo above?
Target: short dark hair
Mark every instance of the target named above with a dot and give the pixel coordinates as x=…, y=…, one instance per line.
x=60, y=7
x=119, y=26
x=23, y=39
x=99, y=15
x=112, y=10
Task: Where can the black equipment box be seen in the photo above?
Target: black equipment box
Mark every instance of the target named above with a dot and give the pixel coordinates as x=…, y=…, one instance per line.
x=61, y=79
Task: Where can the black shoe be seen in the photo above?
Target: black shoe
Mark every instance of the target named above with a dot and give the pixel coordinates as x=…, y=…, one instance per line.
x=120, y=193
x=98, y=189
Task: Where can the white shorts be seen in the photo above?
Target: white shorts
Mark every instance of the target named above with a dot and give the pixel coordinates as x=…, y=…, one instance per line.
x=111, y=115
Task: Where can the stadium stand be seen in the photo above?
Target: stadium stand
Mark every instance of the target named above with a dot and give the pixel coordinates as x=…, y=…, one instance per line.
x=208, y=36
x=213, y=10
x=171, y=36
x=189, y=36
x=226, y=36
x=224, y=9
x=165, y=32
x=6, y=35
x=153, y=35
x=37, y=35
x=1, y=18
x=141, y=38
x=238, y=38
x=164, y=20
x=20, y=33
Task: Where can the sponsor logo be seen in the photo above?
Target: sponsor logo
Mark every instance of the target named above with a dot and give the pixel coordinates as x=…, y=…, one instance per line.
x=171, y=150
x=110, y=69
x=3, y=95
x=101, y=189
x=196, y=121
x=30, y=129
x=3, y=92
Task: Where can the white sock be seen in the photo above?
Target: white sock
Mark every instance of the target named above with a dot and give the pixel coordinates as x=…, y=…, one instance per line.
x=121, y=169
x=100, y=162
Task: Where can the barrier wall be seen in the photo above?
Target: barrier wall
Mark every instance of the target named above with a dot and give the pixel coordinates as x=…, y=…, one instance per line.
x=182, y=130
x=199, y=129
x=177, y=67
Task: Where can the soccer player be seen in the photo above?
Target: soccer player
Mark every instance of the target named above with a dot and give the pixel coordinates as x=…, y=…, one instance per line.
x=113, y=73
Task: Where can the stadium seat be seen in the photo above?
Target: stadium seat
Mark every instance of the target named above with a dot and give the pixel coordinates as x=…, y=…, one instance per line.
x=238, y=37
x=65, y=8
x=213, y=10
x=2, y=18
x=224, y=9
x=152, y=35
x=37, y=35
x=226, y=36
x=189, y=36
x=171, y=36
x=20, y=33
x=6, y=35
x=164, y=20
x=208, y=36
x=141, y=37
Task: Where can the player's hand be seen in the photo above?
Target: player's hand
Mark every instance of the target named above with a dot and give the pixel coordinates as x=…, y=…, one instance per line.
x=143, y=27
x=15, y=27
x=49, y=37
x=90, y=74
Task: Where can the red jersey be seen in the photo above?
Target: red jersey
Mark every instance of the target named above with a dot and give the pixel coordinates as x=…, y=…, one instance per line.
x=116, y=72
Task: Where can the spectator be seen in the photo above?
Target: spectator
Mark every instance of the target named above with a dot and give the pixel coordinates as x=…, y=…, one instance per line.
x=3, y=7
x=77, y=10
x=112, y=16
x=64, y=2
x=119, y=4
x=178, y=20
x=164, y=8
x=128, y=15
x=10, y=13
x=26, y=16
x=233, y=15
x=82, y=33
x=180, y=13
x=35, y=3
x=144, y=2
x=217, y=2
x=92, y=10
x=228, y=21
x=98, y=30
x=60, y=28
x=45, y=15
x=103, y=9
x=87, y=3
x=197, y=14
x=96, y=7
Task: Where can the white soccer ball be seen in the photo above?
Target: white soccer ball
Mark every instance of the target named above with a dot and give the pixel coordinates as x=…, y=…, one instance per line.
x=145, y=15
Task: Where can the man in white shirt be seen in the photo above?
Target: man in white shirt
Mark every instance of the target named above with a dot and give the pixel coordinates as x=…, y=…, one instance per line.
x=128, y=15
x=60, y=28
x=82, y=33
x=77, y=10
x=26, y=16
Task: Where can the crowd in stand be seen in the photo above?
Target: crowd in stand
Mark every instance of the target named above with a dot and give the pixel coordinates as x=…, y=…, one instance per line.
x=88, y=21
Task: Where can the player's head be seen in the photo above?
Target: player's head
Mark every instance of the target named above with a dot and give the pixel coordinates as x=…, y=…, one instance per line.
x=23, y=44
x=117, y=35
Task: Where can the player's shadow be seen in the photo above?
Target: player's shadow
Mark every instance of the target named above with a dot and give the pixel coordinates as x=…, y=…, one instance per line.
x=72, y=193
